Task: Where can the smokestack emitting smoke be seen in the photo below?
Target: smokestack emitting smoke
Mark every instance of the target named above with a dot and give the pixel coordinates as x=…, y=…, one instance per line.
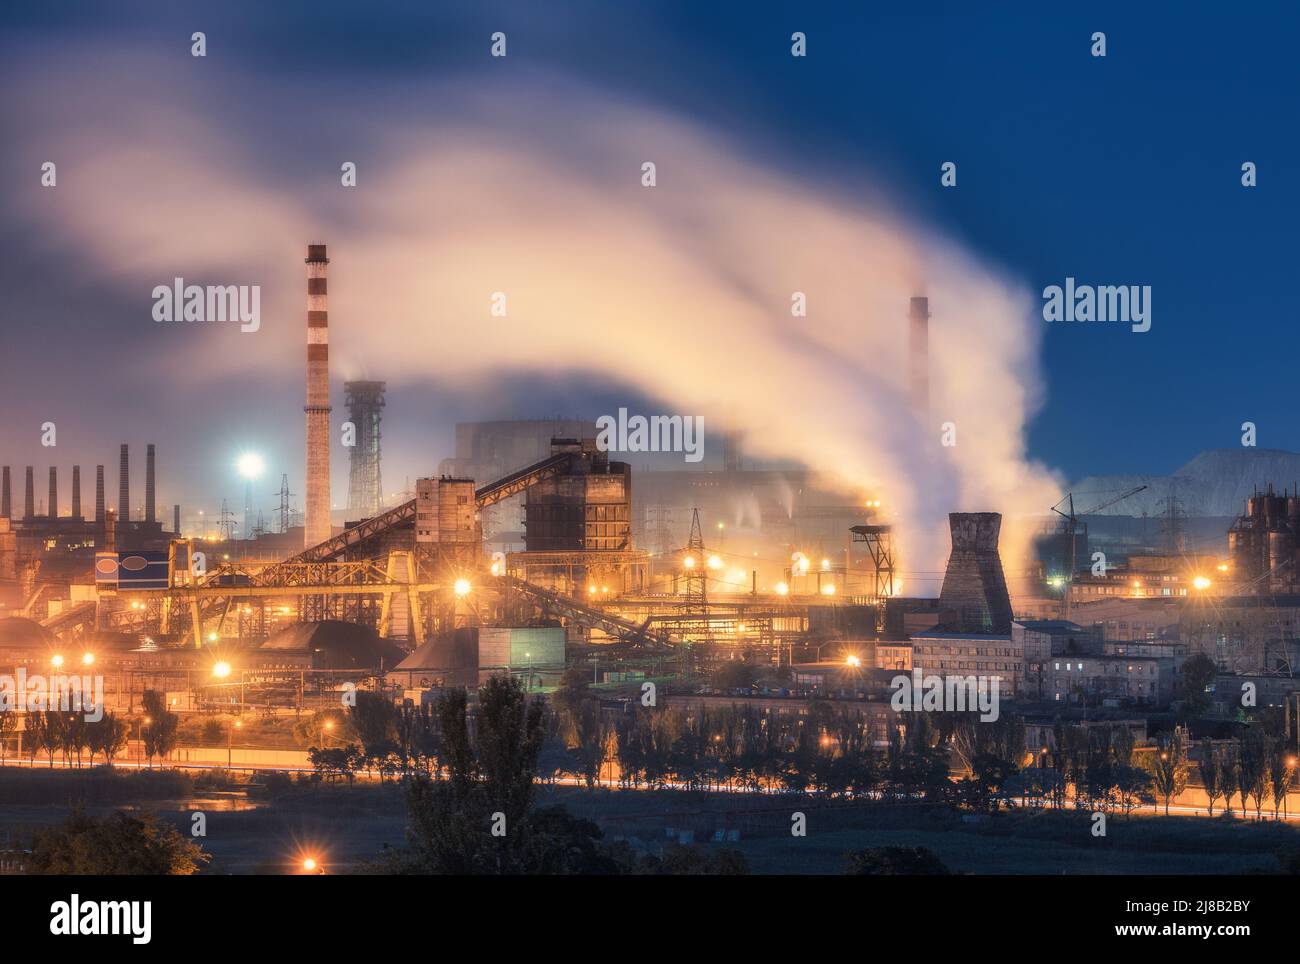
x=76, y=492
x=709, y=257
x=919, y=336
x=123, y=487
x=148, y=483
x=6, y=507
x=99, y=495
x=317, y=518
x=29, y=496
x=54, y=492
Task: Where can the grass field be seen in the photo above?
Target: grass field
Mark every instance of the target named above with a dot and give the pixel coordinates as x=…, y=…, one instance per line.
x=268, y=829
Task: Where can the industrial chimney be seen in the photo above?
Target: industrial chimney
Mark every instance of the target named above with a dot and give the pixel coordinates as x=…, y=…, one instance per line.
x=123, y=488
x=317, y=519
x=176, y=519
x=919, y=314
x=29, y=496
x=76, y=492
x=6, y=506
x=54, y=492
x=99, y=496
x=148, y=484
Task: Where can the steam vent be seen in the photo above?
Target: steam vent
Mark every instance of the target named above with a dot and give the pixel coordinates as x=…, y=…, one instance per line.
x=974, y=596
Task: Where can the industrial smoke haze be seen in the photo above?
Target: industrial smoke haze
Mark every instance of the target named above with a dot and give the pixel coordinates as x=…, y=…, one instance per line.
x=682, y=292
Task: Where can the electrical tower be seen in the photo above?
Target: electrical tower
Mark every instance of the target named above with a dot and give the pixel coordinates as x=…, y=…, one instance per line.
x=1173, y=516
x=659, y=525
x=286, y=515
x=226, y=524
x=365, y=402
x=697, y=597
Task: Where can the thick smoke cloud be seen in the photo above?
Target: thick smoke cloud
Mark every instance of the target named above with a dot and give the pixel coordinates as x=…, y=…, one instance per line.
x=532, y=188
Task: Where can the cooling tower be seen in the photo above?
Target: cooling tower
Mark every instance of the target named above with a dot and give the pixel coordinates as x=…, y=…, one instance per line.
x=974, y=592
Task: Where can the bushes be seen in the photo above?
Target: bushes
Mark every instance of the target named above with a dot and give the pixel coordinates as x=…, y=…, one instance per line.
x=98, y=785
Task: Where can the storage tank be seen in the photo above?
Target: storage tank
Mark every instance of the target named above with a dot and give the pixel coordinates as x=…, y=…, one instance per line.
x=1281, y=559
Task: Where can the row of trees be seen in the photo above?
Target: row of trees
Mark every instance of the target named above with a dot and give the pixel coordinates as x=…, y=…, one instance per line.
x=1259, y=769
x=72, y=736
x=830, y=750
x=77, y=740
x=474, y=814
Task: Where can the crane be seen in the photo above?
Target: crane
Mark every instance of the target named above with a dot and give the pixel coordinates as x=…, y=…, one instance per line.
x=1072, y=526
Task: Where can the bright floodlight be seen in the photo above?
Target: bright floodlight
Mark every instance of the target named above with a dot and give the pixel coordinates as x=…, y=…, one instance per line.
x=854, y=660
x=88, y=659
x=782, y=589
x=1200, y=582
x=309, y=864
x=56, y=661
x=715, y=562
x=221, y=670
x=250, y=465
x=461, y=587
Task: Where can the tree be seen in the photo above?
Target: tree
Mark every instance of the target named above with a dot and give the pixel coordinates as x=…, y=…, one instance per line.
x=592, y=735
x=1169, y=767
x=160, y=732
x=1255, y=758
x=374, y=719
x=1195, y=676
x=123, y=843
x=1280, y=776
x=50, y=731
x=894, y=861
x=1211, y=772
x=734, y=674
x=336, y=761
x=107, y=735
x=1228, y=780
x=488, y=786
x=8, y=727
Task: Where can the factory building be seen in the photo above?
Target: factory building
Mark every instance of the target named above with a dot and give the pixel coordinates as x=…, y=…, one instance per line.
x=1262, y=544
x=587, y=508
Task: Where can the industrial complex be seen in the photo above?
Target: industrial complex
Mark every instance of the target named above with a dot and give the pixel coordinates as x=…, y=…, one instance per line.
x=534, y=551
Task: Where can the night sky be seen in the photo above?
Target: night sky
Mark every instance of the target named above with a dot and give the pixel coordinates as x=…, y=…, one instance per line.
x=1117, y=170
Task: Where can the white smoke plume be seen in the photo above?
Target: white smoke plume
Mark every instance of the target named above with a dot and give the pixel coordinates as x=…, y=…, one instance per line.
x=681, y=291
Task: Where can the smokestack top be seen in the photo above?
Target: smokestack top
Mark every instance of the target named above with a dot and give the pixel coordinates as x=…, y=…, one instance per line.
x=975, y=530
x=919, y=309
x=316, y=254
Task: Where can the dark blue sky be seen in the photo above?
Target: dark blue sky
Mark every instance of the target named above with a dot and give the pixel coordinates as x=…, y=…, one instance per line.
x=1122, y=170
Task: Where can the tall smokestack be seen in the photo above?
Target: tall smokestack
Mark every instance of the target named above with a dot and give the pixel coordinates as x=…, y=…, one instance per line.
x=919, y=314
x=29, y=496
x=54, y=492
x=6, y=506
x=99, y=496
x=148, y=483
x=317, y=519
x=123, y=488
x=176, y=519
x=76, y=492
